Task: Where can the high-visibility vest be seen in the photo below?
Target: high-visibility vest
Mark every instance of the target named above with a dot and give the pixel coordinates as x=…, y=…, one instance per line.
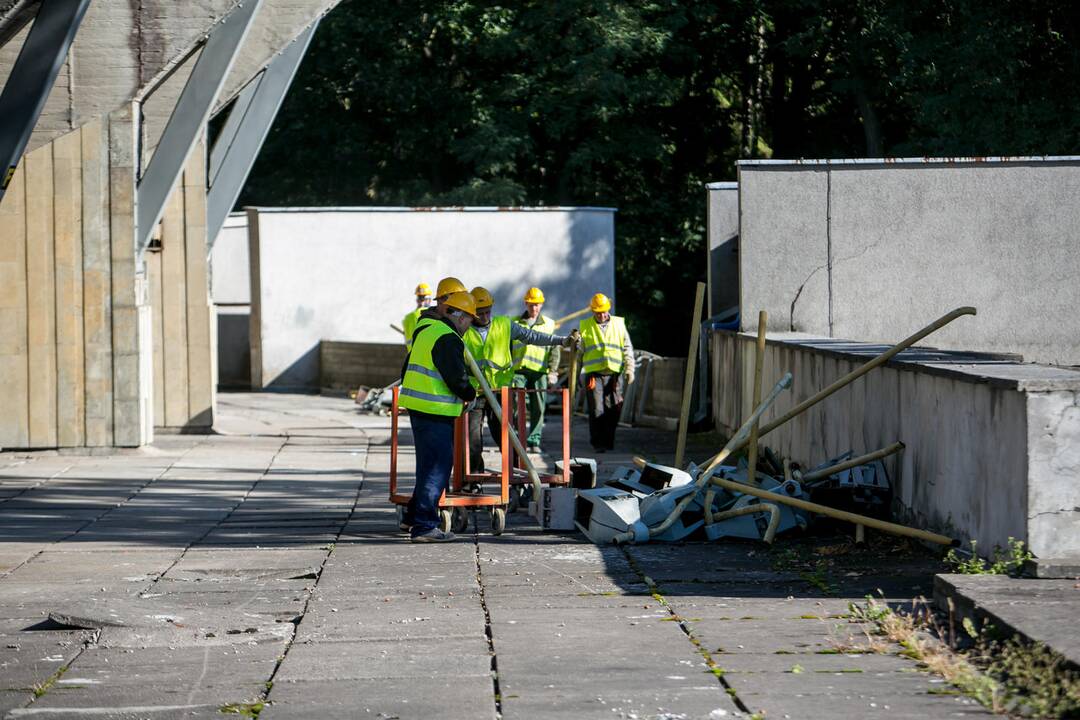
x=408, y=324
x=603, y=348
x=493, y=354
x=532, y=357
x=423, y=388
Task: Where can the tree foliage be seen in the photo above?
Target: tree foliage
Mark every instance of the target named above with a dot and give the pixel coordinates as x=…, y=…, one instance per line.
x=637, y=104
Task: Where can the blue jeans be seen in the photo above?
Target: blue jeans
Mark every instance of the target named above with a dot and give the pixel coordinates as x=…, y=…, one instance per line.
x=434, y=440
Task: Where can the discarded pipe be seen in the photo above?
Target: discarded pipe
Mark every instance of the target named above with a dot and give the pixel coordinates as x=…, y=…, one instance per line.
x=688, y=381
x=737, y=440
x=514, y=439
x=860, y=534
x=882, y=525
x=774, y=517
x=858, y=372
x=759, y=362
x=853, y=462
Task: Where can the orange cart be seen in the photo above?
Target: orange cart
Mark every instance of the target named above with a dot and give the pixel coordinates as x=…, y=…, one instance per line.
x=462, y=495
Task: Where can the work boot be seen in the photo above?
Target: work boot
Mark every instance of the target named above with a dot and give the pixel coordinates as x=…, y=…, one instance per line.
x=433, y=535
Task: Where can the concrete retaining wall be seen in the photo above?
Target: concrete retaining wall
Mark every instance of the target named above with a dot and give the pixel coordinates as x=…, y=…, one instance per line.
x=346, y=274
x=870, y=251
x=992, y=447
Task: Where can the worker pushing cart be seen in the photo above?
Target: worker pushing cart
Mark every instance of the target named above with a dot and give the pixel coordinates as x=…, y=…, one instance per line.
x=435, y=387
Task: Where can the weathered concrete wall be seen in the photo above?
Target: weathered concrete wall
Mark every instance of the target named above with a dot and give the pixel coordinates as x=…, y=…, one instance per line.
x=180, y=303
x=347, y=273
x=723, y=260
x=991, y=446
x=71, y=296
x=348, y=365
x=871, y=251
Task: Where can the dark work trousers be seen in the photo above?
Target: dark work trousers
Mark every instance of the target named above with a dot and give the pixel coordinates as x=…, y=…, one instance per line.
x=534, y=401
x=605, y=400
x=476, y=434
x=434, y=441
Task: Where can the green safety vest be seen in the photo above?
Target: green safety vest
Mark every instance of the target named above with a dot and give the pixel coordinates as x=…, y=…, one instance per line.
x=408, y=324
x=603, y=348
x=533, y=357
x=493, y=355
x=423, y=387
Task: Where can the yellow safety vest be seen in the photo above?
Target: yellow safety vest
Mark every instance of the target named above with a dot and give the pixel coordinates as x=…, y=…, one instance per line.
x=423, y=387
x=408, y=324
x=603, y=348
x=533, y=357
x=492, y=355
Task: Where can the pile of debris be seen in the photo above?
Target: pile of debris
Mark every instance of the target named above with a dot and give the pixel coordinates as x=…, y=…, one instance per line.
x=753, y=498
x=377, y=401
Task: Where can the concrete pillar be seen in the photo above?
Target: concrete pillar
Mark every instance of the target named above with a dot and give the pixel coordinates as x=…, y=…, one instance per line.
x=67, y=213
x=97, y=284
x=130, y=388
x=40, y=297
x=200, y=358
x=14, y=392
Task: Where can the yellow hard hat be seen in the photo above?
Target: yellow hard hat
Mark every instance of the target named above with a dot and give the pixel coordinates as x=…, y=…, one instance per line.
x=600, y=303
x=423, y=289
x=463, y=301
x=449, y=285
x=483, y=298
x=535, y=295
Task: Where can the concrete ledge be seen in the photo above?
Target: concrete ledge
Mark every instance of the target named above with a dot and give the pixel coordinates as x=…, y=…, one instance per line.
x=1041, y=611
x=1053, y=568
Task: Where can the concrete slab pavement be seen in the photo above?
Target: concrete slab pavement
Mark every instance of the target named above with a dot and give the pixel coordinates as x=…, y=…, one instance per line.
x=263, y=565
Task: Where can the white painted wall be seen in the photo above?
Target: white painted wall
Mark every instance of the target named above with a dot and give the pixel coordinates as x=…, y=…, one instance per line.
x=347, y=273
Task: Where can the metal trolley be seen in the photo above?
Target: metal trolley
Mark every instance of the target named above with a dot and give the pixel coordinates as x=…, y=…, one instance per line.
x=465, y=490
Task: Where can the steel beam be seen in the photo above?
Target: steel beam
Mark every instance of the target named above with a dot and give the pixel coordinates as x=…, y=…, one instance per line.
x=32, y=77
x=247, y=126
x=189, y=117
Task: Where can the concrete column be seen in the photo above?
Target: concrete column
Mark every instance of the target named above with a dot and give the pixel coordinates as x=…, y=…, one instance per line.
x=129, y=386
x=255, y=319
x=200, y=359
x=97, y=284
x=14, y=392
x=70, y=371
x=41, y=297
x=174, y=312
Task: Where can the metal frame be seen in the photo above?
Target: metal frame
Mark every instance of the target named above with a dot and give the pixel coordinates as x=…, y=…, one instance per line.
x=32, y=77
x=189, y=117
x=242, y=136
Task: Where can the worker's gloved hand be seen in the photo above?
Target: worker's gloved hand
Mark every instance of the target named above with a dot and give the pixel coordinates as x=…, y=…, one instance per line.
x=553, y=379
x=471, y=405
x=629, y=375
x=573, y=341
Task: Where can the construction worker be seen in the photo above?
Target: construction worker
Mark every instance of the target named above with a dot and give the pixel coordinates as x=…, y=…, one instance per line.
x=446, y=287
x=435, y=387
x=535, y=367
x=408, y=323
x=489, y=340
x=608, y=355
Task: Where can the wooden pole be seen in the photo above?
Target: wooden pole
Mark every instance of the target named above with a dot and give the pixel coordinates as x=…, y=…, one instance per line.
x=571, y=316
x=759, y=364
x=688, y=381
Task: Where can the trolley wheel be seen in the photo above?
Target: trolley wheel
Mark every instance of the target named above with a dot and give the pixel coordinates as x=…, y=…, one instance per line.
x=460, y=521
x=515, y=499
x=446, y=520
x=498, y=521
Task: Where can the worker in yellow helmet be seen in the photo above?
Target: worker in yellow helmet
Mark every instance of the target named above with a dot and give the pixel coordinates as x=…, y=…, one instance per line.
x=447, y=286
x=608, y=356
x=535, y=367
x=435, y=388
x=408, y=323
x=489, y=340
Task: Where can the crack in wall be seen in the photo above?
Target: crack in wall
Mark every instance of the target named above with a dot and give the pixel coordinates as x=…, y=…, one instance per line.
x=791, y=310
